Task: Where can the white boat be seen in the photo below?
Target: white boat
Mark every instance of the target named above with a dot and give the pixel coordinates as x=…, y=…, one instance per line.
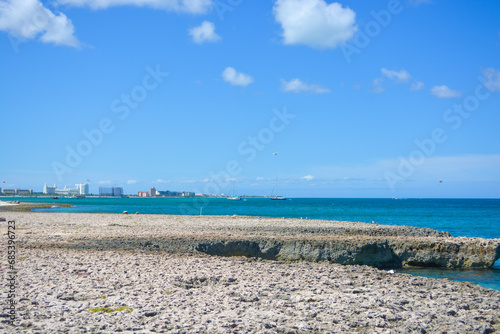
x=277, y=197
x=233, y=197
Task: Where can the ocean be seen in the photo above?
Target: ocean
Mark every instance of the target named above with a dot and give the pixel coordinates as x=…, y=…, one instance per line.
x=461, y=217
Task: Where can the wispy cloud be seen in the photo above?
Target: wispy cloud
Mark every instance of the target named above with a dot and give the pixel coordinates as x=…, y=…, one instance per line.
x=396, y=76
x=236, y=78
x=181, y=6
x=132, y=181
x=444, y=92
x=204, y=33
x=377, y=86
x=297, y=86
x=29, y=19
x=315, y=23
x=416, y=86
x=307, y=178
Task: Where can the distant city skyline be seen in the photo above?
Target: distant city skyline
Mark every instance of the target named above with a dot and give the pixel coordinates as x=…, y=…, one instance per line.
x=392, y=98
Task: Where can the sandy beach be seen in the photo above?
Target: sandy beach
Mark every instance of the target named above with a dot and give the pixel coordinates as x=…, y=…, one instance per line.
x=68, y=283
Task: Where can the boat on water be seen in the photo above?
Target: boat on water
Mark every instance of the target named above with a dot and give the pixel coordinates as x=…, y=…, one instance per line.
x=233, y=197
x=277, y=197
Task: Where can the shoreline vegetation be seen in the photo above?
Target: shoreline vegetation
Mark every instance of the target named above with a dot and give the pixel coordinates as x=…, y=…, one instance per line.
x=104, y=273
x=29, y=206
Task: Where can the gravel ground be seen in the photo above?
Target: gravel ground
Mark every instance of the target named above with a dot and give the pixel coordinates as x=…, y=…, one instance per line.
x=159, y=292
x=88, y=291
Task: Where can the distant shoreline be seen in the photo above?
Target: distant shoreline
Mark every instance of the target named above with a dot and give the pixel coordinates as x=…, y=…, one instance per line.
x=9, y=206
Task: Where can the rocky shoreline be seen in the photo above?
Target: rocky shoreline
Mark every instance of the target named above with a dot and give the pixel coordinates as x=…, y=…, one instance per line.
x=382, y=246
x=66, y=284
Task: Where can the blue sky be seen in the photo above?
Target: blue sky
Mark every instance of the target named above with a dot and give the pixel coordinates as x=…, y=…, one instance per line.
x=358, y=99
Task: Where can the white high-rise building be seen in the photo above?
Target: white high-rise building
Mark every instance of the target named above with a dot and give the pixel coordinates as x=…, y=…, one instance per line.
x=83, y=188
x=49, y=190
x=79, y=189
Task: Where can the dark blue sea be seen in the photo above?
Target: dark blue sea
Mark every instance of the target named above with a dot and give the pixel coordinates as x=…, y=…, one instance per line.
x=461, y=217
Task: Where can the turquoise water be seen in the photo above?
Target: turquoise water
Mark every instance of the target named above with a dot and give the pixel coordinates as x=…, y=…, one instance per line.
x=460, y=217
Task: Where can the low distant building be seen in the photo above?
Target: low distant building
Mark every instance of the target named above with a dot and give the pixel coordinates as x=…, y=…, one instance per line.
x=142, y=194
x=17, y=191
x=117, y=191
x=168, y=193
x=24, y=192
x=110, y=191
x=105, y=191
x=9, y=191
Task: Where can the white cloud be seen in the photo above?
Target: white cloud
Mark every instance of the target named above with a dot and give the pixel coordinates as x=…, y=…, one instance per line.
x=30, y=19
x=377, y=86
x=204, y=33
x=444, y=92
x=132, y=181
x=417, y=86
x=492, y=79
x=297, y=86
x=161, y=181
x=397, y=76
x=236, y=78
x=307, y=177
x=188, y=181
x=181, y=6
x=315, y=23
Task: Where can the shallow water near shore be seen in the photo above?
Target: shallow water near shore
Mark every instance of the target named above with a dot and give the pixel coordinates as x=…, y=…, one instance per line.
x=461, y=217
